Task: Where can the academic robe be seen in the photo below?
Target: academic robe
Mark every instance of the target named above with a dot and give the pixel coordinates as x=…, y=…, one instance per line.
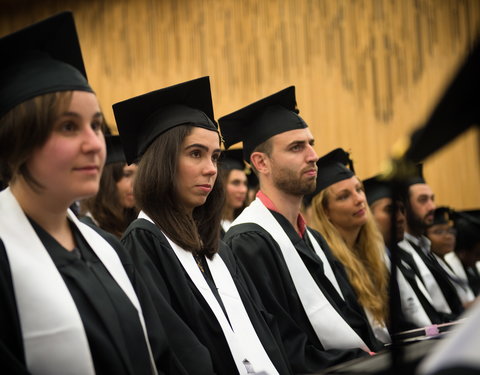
x=153, y=254
x=115, y=336
x=262, y=259
x=440, y=276
x=408, y=268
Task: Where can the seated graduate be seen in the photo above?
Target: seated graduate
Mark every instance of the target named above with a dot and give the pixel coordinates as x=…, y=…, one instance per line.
x=113, y=207
x=341, y=213
x=442, y=235
x=69, y=301
x=172, y=134
x=419, y=201
x=290, y=264
x=465, y=260
x=416, y=307
x=235, y=182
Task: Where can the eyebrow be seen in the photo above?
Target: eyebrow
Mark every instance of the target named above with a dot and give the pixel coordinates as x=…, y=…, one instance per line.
x=199, y=145
x=301, y=141
x=77, y=115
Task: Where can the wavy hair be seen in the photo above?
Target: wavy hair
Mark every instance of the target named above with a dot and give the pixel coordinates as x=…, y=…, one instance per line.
x=365, y=266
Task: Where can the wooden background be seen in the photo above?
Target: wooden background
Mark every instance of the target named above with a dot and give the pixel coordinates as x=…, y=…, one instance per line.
x=367, y=72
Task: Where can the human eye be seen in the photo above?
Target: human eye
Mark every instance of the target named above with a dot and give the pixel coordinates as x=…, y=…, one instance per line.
x=97, y=125
x=216, y=157
x=67, y=126
x=195, y=153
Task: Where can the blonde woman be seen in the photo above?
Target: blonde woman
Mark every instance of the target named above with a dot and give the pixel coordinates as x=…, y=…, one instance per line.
x=341, y=213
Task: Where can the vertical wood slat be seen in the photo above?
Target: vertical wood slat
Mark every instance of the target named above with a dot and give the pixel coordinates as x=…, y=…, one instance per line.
x=367, y=72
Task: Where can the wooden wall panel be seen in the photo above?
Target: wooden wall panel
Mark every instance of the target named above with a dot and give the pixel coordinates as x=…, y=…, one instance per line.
x=367, y=72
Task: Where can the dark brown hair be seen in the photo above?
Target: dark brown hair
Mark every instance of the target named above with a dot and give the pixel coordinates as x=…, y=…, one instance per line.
x=25, y=128
x=105, y=206
x=155, y=190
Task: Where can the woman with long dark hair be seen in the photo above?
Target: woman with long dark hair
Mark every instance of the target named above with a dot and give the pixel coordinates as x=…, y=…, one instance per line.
x=173, y=135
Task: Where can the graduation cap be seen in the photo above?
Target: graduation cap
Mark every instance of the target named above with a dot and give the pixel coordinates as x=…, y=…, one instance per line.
x=442, y=215
x=232, y=159
x=332, y=168
x=376, y=188
x=115, y=152
x=39, y=59
x=259, y=121
x=416, y=177
x=140, y=120
x=457, y=109
x=467, y=224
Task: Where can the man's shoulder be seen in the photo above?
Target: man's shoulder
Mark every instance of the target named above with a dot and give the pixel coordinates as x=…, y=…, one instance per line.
x=245, y=229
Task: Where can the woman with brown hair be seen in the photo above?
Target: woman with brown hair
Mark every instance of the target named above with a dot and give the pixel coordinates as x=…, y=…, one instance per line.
x=341, y=213
x=173, y=134
x=70, y=300
x=234, y=179
x=113, y=207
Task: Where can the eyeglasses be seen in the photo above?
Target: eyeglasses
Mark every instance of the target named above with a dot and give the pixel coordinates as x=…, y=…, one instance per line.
x=441, y=232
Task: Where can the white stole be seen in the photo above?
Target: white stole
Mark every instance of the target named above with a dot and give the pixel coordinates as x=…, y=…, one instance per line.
x=246, y=348
x=331, y=329
x=411, y=305
x=54, y=338
x=460, y=284
x=438, y=299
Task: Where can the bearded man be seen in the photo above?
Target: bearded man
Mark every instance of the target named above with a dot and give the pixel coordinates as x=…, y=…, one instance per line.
x=299, y=281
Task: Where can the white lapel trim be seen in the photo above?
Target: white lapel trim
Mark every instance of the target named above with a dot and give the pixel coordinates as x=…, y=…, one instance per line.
x=331, y=329
x=112, y=263
x=242, y=339
x=411, y=306
x=437, y=297
x=48, y=316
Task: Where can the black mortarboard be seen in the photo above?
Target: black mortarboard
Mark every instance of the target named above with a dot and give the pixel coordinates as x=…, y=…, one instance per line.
x=441, y=215
x=467, y=224
x=457, y=109
x=416, y=178
x=232, y=159
x=376, y=189
x=115, y=152
x=39, y=59
x=143, y=118
x=332, y=168
x=259, y=121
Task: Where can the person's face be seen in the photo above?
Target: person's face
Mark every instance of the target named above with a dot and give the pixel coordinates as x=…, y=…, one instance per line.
x=382, y=213
x=442, y=237
x=70, y=163
x=422, y=205
x=347, y=207
x=236, y=188
x=292, y=163
x=197, y=167
x=125, y=186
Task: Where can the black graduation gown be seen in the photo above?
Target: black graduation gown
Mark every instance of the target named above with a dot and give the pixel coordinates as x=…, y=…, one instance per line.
x=409, y=270
x=442, y=279
x=111, y=323
x=262, y=258
x=152, y=253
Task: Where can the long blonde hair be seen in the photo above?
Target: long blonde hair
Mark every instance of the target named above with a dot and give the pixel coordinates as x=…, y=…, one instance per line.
x=365, y=266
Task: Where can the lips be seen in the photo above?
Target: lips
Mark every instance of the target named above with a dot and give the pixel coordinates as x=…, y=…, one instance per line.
x=205, y=187
x=88, y=168
x=359, y=212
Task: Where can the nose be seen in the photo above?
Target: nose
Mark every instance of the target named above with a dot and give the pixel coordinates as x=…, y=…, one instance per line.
x=93, y=141
x=210, y=168
x=312, y=155
x=359, y=197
